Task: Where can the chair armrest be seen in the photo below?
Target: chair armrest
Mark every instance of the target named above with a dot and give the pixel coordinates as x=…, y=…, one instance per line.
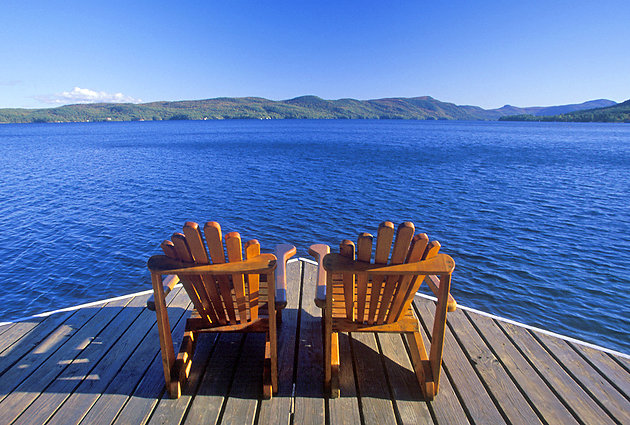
x=169, y=284
x=161, y=264
x=434, y=283
x=319, y=251
x=282, y=252
x=440, y=264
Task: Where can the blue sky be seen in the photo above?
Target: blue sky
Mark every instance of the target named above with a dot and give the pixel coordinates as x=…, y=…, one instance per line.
x=486, y=53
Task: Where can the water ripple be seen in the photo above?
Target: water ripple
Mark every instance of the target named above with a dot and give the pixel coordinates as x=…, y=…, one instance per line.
x=535, y=215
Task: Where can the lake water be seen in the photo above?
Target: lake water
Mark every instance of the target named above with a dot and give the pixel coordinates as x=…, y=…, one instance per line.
x=536, y=215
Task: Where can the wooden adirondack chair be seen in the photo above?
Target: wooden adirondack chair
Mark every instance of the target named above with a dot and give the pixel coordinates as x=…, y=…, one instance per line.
x=360, y=295
x=241, y=295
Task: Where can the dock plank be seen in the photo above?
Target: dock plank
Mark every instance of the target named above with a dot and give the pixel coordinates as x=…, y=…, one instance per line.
x=446, y=407
x=5, y=327
x=30, y=389
x=608, y=367
x=344, y=410
x=24, y=366
x=476, y=400
x=23, y=337
x=278, y=409
x=503, y=390
x=16, y=331
x=309, y=384
x=543, y=400
x=107, y=369
x=246, y=389
x=151, y=388
x=101, y=365
x=567, y=389
x=113, y=398
x=406, y=391
x=215, y=385
x=172, y=411
x=376, y=403
x=590, y=379
x=42, y=409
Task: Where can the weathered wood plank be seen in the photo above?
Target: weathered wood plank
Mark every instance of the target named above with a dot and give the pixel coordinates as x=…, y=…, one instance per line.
x=625, y=362
x=23, y=337
x=128, y=347
x=245, y=393
x=571, y=393
x=344, y=410
x=215, y=384
x=172, y=411
x=31, y=388
x=477, y=401
x=18, y=370
x=309, y=394
x=446, y=406
x=278, y=409
x=79, y=368
x=44, y=378
x=607, y=366
x=406, y=391
x=595, y=384
x=506, y=394
x=375, y=398
x=150, y=390
x=541, y=398
x=16, y=331
x=114, y=397
x=4, y=327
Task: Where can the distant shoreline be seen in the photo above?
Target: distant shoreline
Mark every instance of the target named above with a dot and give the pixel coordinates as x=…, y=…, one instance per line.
x=313, y=107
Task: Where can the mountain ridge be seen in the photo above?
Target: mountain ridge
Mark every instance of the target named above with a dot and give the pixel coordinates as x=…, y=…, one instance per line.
x=619, y=112
x=301, y=107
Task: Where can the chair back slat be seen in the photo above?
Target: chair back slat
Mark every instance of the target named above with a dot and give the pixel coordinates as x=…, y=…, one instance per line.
x=384, y=240
x=252, y=249
x=364, y=253
x=431, y=251
x=214, y=241
x=235, y=253
x=346, y=248
x=416, y=251
x=200, y=256
x=169, y=249
x=193, y=284
x=404, y=234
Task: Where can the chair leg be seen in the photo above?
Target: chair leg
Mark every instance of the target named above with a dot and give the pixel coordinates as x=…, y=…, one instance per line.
x=268, y=388
x=421, y=365
x=439, y=329
x=164, y=331
x=327, y=357
x=183, y=363
x=334, y=365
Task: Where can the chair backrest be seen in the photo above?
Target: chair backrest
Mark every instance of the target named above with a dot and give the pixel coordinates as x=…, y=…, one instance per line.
x=380, y=299
x=219, y=300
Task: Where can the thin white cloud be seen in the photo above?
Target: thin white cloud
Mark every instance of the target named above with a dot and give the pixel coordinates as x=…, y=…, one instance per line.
x=79, y=95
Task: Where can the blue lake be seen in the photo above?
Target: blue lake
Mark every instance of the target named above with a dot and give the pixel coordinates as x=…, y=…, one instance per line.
x=536, y=215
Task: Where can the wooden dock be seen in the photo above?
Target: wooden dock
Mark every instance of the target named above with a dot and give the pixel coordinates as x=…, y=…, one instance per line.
x=100, y=364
